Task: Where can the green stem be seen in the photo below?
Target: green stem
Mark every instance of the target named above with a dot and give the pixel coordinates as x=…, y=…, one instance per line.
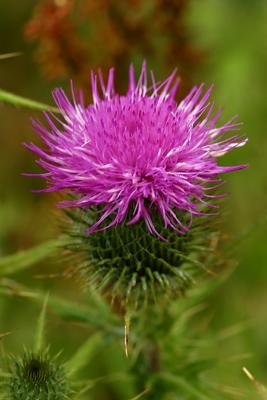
x=146, y=368
x=11, y=98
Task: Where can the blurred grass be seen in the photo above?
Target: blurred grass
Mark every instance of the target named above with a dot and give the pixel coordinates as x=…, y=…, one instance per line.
x=232, y=33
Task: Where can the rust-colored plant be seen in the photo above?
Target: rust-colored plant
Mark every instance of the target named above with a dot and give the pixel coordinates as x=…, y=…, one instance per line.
x=74, y=36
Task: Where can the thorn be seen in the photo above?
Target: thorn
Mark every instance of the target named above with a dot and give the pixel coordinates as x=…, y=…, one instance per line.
x=126, y=334
x=260, y=387
x=141, y=394
x=249, y=375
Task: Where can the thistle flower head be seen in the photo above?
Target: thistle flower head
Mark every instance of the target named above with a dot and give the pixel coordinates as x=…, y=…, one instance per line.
x=136, y=155
x=37, y=377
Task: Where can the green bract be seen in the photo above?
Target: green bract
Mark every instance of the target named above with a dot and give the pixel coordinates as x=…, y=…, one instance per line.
x=126, y=262
x=37, y=377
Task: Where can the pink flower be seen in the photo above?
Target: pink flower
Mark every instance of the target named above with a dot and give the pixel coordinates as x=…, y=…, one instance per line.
x=136, y=154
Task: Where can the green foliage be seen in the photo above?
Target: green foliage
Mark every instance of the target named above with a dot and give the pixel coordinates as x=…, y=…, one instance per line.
x=14, y=99
x=26, y=258
x=40, y=329
x=169, y=349
x=260, y=388
x=37, y=377
x=130, y=264
x=84, y=353
x=84, y=313
x=169, y=355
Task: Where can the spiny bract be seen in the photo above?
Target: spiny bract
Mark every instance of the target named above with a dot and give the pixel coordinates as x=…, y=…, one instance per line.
x=139, y=151
x=37, y=377
x=130, y=265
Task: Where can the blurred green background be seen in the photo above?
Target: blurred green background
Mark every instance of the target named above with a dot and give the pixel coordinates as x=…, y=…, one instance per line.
x=219, y=41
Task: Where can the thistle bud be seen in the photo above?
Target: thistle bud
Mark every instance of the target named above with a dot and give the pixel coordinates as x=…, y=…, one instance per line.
x=37, y=377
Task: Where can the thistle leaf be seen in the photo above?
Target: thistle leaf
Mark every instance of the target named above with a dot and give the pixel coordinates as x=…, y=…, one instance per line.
x=84, y=353
x=71, y=311
x=40, y=331
x=26, y=258
x=184, y=385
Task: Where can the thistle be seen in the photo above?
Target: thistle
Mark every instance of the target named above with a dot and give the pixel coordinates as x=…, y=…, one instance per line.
x=138, y=169
x=37, y=377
